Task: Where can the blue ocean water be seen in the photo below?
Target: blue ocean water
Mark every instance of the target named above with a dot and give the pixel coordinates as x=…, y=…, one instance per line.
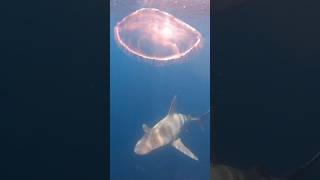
x=141, y=92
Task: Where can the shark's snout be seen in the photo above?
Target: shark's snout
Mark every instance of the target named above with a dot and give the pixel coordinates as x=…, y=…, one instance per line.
x=141, y=148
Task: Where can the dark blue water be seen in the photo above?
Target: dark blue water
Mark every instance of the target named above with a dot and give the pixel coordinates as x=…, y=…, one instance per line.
x=52, y=96
x=267, y=95
x=141, y=92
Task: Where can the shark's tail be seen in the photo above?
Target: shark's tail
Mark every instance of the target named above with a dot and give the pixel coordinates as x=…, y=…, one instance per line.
x=300, y=171
x=199, y=120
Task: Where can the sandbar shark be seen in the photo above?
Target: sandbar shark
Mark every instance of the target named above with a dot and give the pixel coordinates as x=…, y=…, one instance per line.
x=166, y=132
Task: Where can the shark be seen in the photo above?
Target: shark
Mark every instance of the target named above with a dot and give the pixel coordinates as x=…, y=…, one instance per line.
x=166, y=132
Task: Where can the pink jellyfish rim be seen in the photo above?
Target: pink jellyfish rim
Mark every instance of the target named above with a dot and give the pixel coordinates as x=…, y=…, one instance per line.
x=156, y=58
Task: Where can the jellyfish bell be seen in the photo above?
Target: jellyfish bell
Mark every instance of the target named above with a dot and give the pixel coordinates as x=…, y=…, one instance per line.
x=156, y=35
x=166, y=32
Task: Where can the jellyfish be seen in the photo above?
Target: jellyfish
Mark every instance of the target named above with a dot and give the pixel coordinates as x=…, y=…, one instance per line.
x=156, y=35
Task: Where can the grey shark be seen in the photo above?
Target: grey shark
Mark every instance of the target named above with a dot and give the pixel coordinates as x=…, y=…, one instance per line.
x=166, y=132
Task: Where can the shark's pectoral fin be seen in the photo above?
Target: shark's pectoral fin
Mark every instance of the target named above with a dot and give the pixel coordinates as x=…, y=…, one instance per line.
x=145, y=128
x=182, y=148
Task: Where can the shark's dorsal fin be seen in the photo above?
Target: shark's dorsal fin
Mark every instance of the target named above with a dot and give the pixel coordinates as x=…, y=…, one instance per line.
x=145, y=128
x=182, y=148
x=172, y=109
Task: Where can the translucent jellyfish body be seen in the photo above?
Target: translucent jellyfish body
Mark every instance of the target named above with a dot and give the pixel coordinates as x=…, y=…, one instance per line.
x=156, y=35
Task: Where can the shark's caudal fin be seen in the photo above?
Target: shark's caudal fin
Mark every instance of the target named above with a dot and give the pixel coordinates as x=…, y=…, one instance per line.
x=300, y=171
x=199, y=120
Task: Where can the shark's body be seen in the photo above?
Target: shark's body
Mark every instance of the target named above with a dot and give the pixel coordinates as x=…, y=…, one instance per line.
x=165, y=132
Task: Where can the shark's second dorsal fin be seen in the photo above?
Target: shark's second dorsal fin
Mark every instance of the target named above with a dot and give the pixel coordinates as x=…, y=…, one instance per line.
x=172, y=109
x=145, y=128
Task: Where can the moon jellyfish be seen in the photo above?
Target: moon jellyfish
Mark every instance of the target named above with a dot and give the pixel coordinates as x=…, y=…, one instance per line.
x=156, y=35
